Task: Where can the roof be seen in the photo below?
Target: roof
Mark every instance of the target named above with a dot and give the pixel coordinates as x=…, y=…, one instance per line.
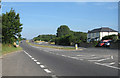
x=102, y=29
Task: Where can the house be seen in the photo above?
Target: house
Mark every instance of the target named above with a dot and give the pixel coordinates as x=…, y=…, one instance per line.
x=97, y=34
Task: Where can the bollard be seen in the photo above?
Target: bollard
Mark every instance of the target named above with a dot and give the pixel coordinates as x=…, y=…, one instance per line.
x=76, y=46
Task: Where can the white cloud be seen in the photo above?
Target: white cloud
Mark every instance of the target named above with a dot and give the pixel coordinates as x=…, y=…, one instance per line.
x=112, y=7
x=60, y=0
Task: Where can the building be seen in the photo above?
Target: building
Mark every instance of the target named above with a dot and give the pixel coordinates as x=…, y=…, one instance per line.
x=97, y=34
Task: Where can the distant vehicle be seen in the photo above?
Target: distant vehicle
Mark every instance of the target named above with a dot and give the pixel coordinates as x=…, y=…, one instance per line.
x=104, y=43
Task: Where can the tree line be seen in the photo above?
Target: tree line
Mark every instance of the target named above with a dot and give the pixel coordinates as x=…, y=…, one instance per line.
x=46, y=38
x=64, y=36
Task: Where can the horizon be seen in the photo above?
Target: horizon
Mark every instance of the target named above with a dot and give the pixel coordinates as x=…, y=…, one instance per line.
x=45, y=17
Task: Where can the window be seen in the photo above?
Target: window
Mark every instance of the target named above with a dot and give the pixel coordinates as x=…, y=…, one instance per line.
x=97, y=34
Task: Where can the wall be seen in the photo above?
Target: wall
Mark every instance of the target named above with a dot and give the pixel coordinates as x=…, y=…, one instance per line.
x=102, y=34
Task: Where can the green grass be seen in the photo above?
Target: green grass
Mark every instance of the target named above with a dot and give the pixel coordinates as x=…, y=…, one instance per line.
x=64, y=48
x=8, y=49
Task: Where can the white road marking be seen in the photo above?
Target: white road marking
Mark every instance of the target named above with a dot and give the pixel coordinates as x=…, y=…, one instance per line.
x=107, y=65
x=68, y=56
x=46, y=70
x=92, y=55
x=93, y=58
x=80, y=59
x=54, y=76
x=35, y=60
x=111, y=57
x=42, y=66
x=80, y=55
x=63, y=55
x=38, y=62
x=32, y=58
x=100, y=60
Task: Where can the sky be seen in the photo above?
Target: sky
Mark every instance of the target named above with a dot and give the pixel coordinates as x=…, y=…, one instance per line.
x=45, y=17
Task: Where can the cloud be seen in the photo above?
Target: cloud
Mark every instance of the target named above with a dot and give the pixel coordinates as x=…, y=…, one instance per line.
x=60, y=0
x=112, y=7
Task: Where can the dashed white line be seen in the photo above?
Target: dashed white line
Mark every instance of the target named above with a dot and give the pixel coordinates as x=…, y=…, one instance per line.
x=80, y=59
x=35, y=60
x=42, y=66
x=38, y=62
x=32, y=58
x=47, y=71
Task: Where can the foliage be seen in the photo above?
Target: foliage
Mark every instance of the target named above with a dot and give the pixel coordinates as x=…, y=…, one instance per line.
x=71, y=38
x=63, y=30
x=112, y=37
x=9, y=48
x=0, y=29
x=11, y=27
x=119, y=35
x=64, y=36
x=47, y=38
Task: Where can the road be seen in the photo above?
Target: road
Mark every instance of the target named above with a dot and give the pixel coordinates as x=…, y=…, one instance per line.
x=38, y=61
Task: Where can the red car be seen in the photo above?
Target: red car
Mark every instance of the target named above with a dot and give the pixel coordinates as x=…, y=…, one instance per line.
x=105, y=43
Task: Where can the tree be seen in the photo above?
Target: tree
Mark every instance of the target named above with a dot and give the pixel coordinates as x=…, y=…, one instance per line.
x=0, y=29
x=63, y=30
x=11, y=27
x=112, y=37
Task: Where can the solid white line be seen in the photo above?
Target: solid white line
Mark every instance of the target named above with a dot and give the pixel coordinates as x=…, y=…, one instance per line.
x=94, y=58
x=38, y=62
x=107, y=65
x=42, y=66
x=46, y=70
x=99, y=60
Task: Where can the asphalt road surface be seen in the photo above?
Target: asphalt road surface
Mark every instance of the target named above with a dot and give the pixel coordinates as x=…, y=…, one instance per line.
x=38, y=61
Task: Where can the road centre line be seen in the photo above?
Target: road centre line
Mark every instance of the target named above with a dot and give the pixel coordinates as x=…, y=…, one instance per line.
x=47, y=71
x=35, y=60
x=42, y=66
x=38, y=62
x=32, y=58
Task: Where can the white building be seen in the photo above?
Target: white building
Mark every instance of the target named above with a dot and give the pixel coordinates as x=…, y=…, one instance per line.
x=97, y=34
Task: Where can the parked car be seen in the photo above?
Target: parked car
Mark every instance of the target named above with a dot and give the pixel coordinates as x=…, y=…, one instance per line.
x=104, y=43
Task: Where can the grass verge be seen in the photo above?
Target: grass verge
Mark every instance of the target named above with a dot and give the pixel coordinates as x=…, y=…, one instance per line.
x=63, y=48
x=8, y=49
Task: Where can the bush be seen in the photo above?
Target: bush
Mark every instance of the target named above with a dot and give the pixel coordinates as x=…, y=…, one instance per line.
x=112, y=37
